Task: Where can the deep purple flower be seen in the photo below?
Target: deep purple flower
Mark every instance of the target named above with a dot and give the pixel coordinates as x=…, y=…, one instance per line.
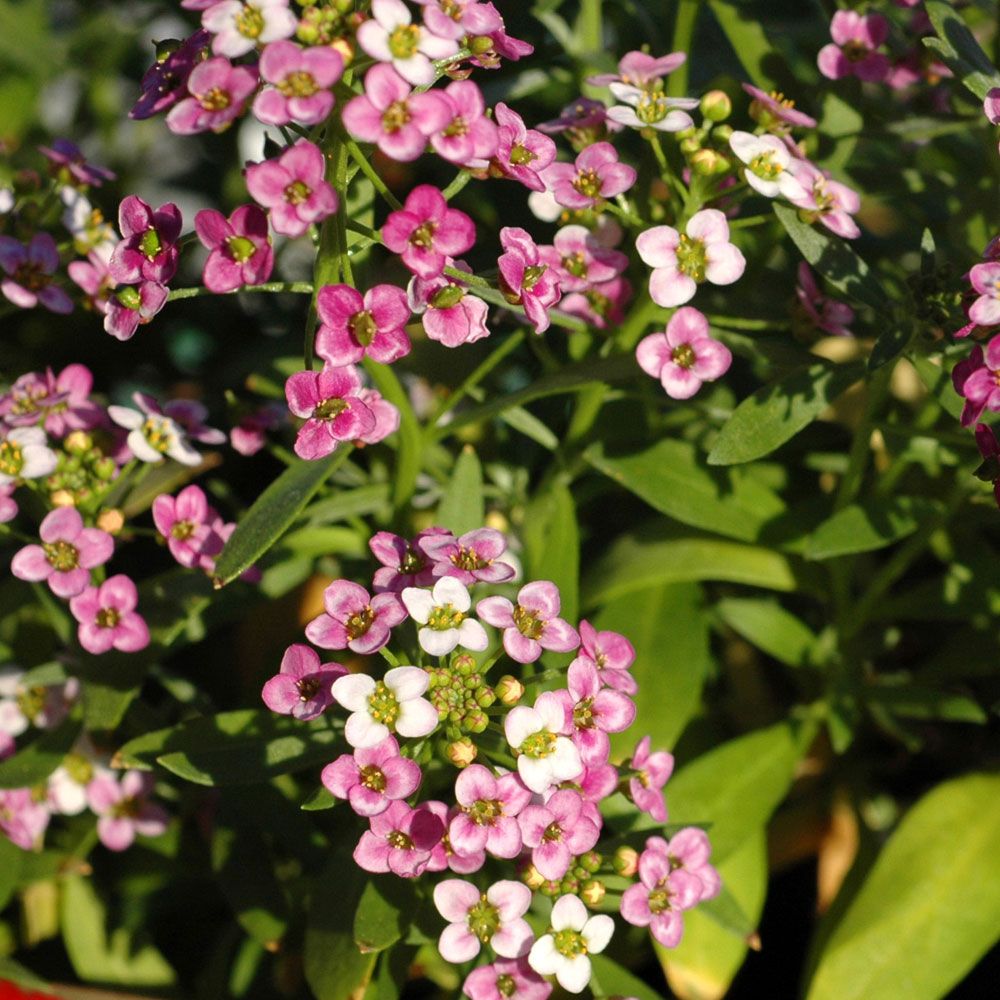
x=28, y=272
x=148, y=250
x=67, y=156
x=165, y=82
x=249, y=435
x=989, y=448
x=301, y=688
x=240, y=248
x=293, y=187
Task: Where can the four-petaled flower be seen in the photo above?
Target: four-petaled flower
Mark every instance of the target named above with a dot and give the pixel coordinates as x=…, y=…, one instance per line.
x=546, y=756
x=684, y=356
x=302, y=686
x=107, y=617
x=391, y=705
x=425, y=232
x=494, y=917
x=372, y=777
x=353, y=326
x=531, y=625
x=443, y=617
x=574, y=935
x=329, y=401
x=354, y=620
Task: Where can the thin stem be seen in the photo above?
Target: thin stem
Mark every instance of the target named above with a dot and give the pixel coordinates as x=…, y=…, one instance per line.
x=747, y=322
x=369, y=171
x=291, y=287
x=458, y=182
x=751, y=220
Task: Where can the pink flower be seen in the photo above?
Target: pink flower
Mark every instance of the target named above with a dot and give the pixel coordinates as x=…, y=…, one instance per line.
x=545, y=755
x=775, y=111
x=67, y=554
x=404, y=563
x=504, y=46
x=449, y=315
x=495, y=917
x=612, y=654
x=826, y=314
x=600, y=305
x=185, y=521
x=124, y=809
x=532, y=624
x=250, y=435
x=640, y=69
x=524, y=279
x=767, y=163
x=239, y=248
x=584, y=120
x=393, y=704
x=557, y=832
x=352, y=327
x=165, y=82
x=400, y=840
x=107, y=617
x=390, y=37
x=596, y=711
x=70, y=161
x=425, y=232
x=681, y=262
x=93, y=276
x=597, y=781
x=373, y=777
x=470, y=557
x=469, y=138
x=506, y=979
x=981, y=386
x=333, y=411
x=659, y=898
x=133, y=306
x=60, y=403
x=488, y=810
x=991, y=106
x=855, y=39
x=218, y=93
x=22, y=819
x=28, y=271
x=989, y=448
x=651, y=773
x=8, y=505
x=354, y=620
x=301, y=82
x=684, y=356
x=825, y=199
x=239, y=27
x=522, y=153
x=985, y=278
x=688, y=850
x=293, y=188
x=596, y=176
x=444, y=857
x=148, y=250
x=961, y=374
x=386, y=418
x=580, y=261
x=458, y=18
x=389, y=114
x=302, y=686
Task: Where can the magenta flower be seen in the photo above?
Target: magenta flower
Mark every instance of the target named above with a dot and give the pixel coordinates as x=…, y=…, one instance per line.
x=107, y=617
x=852, y=53
x=533, y=624
x=826, y=200
x=389, y=36
x=28, y=272
x=488, y=810
x=218, y=93
x=684, y=356
x=596, y=176
x=124, y=809
x=426, y=232
x=989, y=449
x=470, y=557
x=600, y=305
x=354, y=620
x=826, y=314
x=404, y=563
x=22, y=819
x=373, y=777
x=148, y=250
x=449, y=315
x=688, y=850
x=580, y=261
x=985, y=278
x=239, y=27
x=612, y=654
x=393, y=704
x=961, y=374
x=293, y=188
x=165, y=82
x=458, y=18
x=651, y=773
x=596, y=711
x=640, y=69
x=557, y=832
x=352, y=327
x=93, y=277
x=68, y=553
x=776, y=112
x=981, y=386
x=60, y=403
x=468, y=139
x=302, y=686
x=504, y=46
x=524, y=279
x=545, y=754
x=69, y=159
x=300, y=83
x=250, y=435
x=682, y=261
x=239, y=248
x=495, y=917
x=390, y=115
x=991, y=106
x=506, y=979
x=185, y=521
x=660, y=896
x=523, y=154
x=400, y=840
x=133, y=306
x=329, y=402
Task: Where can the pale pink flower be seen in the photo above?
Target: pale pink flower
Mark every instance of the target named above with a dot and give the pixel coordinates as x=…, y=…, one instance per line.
x=293, y=187
x=557, y=832
x=8, y=505
x=28, y=272
x=830, y=202
x=852, y=53
x=22, y=818
x=239, y=247
x=611, y=653
x=506, y=979
x=393, y=704
x=468, y=139
x=829, y=315
x=93, y=277
x=545, y=754
x=354, y=620
x=495, y=917
x=689, y=850
x=250, y=435
x=400, y=840
x=218, y=94
x=531, y=625
x=125, y=809
x=329, y=402
x=602, y=305
x=386, y=418
x=596, y=176
x=300, y=83
x=524, y=279
x=108, y=619
x=239, y=27
x=767, y=160
x=352, y=326
x=390, y=36
x=458, y=18
x=426, y=232
x=660, y=896
x=487, y=815
x=595, y=710
x=60, y=403
x=372, y=777
x=580, y=261
x=579, y=934
x=684, y=356
x=445, y=857
x=68, y=553
x=640, y=69
x=185, y=521
x=404, y=563
x=302, y=686
x=43, y=707
x=504, y=46
x=651, y=772
x=448, y=313
x=522, y=153
x=985, y=279
x=776, y=112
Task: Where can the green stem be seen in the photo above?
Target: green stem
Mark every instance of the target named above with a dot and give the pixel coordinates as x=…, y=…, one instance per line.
x=747, y=322
x=751, y=220
x=458, y=182
x=590, y=27
x=687, y=14
x=860, y=451
x=369, y=171
x=292, y=287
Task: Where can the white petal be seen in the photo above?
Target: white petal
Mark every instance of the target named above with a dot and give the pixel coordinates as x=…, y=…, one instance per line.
x=141, y=448
x=418, y=603
x=363, y=731
x=472, y=635
x=437, y=642
x=417, y=717
x=597, y=932
x=407, y=682
x=352, y=691
x=448, y=590
x=564, y=762
x=181, y=451
x=520, y=723
x=125, y=416
x=573, y=973
x=568, y=914
x=536, y=774
x=543, y=957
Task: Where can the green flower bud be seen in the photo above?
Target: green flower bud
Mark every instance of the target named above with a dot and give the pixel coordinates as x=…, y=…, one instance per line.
x=716, y=106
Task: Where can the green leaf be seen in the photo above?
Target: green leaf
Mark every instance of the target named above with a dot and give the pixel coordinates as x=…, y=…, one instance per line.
x=320, y=799
x=612, y=980
x=41, y=757
x=672, y=477
x=922, y=920
x=873, y=524
x=530, y=426
x=769, y=627
x=552, y=543
x=14, y=972
x=669, y=630
x=834, y=259
x=462, y=507
x=938, y=381
x=736, y=786
x=910, y=701
x=370, y=499
x=273, y=513
x=246, y=746
x=959, y=49
x=384, y=912
x=751, y=43
x=777, y=412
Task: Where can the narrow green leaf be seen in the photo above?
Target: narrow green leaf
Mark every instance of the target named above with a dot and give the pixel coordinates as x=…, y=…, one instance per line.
x=320, y=799
x=959, y=49
x=769, y=627
x=920, y=922
x=872, y=524
x=754, y=49
x=272, y=513
x=410, y=453
x=834, y=259
x=41, y=757
x=909, y=701
x=384, y=912
x=370, y=499
x=552, y=542
x=672, y=477
x=612, y=980
x=777, y=412
x=462, y=507
x=530, y=426
x=938, y=381
x=16, y=973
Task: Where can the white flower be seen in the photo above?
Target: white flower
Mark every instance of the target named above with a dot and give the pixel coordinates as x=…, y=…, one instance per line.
x=767, y=160
x=85, y=224
x=443, y=614
x=648, y=109
x=574, y=935
x=378, y=708
x=544, y=756
x=66, y=790
x=390, y=36
x=13, y=720
x=153, y=436
x=24, y=454
x=241, y=27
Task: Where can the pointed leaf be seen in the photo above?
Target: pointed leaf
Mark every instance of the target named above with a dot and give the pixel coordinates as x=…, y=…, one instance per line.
x=462, y=507
x=958, y=48
x=769, y=627
x=873, y=524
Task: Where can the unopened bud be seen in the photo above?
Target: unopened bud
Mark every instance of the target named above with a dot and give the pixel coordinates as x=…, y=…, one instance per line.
x=462, y=752
x=706, y=162
x=569, y=886
x=690, y=145
x=476, y=721
x=111, y=520
x=591, y=861
x=626, y=861
x=344, y=47
x=485, y=697
x=550, y=888
x=77, y=442
x=723, y=133
x=509, y=690
x=62, y=498
x=445, y=298
x=480, y=44
x=532, y=877
x=592, y=892
x=716, y=106
x=463, y=665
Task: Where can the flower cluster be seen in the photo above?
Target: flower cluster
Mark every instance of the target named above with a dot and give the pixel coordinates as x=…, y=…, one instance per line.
x=527, y=799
